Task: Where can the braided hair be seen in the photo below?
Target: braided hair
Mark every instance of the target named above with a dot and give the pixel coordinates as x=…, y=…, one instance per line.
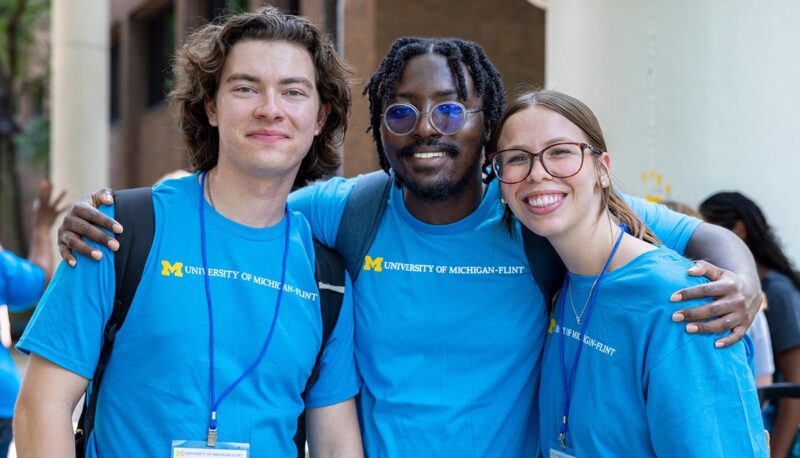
x=725, y=208
x=384, y=81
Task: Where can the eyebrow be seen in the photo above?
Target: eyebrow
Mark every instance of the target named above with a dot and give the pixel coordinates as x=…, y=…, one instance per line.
x=437, y=95
x=547, y=144
x=242, y=77
x=284, y=82
x=555, y=140
x=297, y=80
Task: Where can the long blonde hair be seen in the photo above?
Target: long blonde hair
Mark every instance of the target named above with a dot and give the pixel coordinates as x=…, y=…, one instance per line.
x=579, y=114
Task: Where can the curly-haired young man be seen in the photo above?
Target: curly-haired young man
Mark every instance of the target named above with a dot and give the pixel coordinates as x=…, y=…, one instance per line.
x=225, y=327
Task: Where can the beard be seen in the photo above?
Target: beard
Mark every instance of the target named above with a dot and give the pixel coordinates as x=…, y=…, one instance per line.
x=442, y=187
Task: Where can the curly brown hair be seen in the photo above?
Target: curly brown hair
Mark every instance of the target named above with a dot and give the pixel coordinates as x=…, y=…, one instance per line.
x=198, y=66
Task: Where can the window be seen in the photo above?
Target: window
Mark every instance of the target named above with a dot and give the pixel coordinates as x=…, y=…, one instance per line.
x=160, y=29
x=217, y=8
x=114, y=74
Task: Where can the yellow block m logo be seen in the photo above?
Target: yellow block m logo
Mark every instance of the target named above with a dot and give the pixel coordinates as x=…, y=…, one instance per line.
x=168, y=269
x=370, y=264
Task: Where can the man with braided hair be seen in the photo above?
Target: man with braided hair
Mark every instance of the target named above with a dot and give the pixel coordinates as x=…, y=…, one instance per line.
x=449, y=325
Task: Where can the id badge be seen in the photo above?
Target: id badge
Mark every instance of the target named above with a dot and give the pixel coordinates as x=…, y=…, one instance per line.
x=557, y=451
x=200, y=449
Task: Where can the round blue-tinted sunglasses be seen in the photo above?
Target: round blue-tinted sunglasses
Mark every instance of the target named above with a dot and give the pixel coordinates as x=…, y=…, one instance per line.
x=447, y=118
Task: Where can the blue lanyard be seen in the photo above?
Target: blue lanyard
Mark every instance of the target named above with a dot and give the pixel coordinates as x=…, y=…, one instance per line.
x=569, y=382
x=215, y=402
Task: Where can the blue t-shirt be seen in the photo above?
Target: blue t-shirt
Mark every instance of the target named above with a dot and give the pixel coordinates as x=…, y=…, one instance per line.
x=783, y=311
x=449, y=327
x=156, y=384
x=21, y=284
x=643, y=386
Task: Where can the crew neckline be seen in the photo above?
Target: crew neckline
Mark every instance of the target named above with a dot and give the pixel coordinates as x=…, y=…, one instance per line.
x=490, y=199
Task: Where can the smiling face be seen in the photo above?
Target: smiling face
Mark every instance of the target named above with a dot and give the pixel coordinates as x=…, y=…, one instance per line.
x=427, y=163
x=266, y=109
x=550, y=206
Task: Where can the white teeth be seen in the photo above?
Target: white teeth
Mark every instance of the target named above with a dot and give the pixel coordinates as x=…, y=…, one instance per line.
x=544, y=200
x=430, y=155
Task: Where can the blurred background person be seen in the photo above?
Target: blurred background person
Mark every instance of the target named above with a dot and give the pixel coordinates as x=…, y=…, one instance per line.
x=758, y=332
x=781, y=284
x=21, y=284
x=681, y=207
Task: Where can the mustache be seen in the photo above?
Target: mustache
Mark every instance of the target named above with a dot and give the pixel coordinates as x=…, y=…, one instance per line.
x=449, y=148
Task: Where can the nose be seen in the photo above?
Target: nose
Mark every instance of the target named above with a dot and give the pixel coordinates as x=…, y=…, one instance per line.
x=424, y=127
x=268, y=106
x=538, y=173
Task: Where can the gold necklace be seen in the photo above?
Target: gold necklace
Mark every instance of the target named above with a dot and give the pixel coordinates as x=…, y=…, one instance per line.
x=579, y=316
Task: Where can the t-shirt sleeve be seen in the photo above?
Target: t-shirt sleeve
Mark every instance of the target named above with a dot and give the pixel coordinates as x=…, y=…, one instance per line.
x=322, y=204
x=783, y=313
x=762, y=345
x=22, y=282
x=67, y=327
x=672, y=228
x=338, y=380
x=701, y=401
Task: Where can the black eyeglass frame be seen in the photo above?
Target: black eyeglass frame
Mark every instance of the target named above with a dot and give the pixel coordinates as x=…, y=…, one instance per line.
x=540, y=155
x=426, y=114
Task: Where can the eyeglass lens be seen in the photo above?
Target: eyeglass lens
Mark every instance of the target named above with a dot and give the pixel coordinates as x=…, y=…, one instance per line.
x=447, y=118
x=559, y=160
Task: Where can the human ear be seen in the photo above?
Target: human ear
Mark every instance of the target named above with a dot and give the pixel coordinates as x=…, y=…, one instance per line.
x=604, y=170
x=211, y=112
x=322, y=117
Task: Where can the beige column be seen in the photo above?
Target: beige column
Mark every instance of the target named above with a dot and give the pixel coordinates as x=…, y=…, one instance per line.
x=693, y=97
x=79, y=95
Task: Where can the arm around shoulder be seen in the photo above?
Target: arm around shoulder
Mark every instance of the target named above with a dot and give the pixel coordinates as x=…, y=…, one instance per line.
x=728, y=263
x=333, y=431
x=43, y=415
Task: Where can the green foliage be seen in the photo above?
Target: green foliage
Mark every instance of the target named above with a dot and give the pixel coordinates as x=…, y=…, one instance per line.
x=24, y=18
x=24, y=74
x=33, y=143
x=236, y=6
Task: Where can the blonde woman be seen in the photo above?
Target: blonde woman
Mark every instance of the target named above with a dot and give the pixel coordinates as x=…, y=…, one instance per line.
x=619, y=378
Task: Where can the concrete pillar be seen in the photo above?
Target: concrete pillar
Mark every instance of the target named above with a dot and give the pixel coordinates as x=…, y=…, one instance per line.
x=694, y=97
x=80, y=95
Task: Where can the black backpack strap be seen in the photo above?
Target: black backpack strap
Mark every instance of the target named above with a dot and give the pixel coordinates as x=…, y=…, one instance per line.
x=546, y=266
x=361, y=218
x=329, y=274
x=133, y=208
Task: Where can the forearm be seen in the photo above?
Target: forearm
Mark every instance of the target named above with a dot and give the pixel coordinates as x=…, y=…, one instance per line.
x=724, y=249
x=333, y=431
x=41, y=251
x=43, y=415
x=43, y=428
x=785, y=428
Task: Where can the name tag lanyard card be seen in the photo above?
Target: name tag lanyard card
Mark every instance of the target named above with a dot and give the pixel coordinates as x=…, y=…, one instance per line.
x=211, y=439
x=568, y=381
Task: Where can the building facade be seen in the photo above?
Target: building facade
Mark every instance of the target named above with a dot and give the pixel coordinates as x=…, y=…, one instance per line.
x=144, y=141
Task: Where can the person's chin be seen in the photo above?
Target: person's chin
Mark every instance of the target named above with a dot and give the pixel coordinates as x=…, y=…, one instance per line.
x=429, y=187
